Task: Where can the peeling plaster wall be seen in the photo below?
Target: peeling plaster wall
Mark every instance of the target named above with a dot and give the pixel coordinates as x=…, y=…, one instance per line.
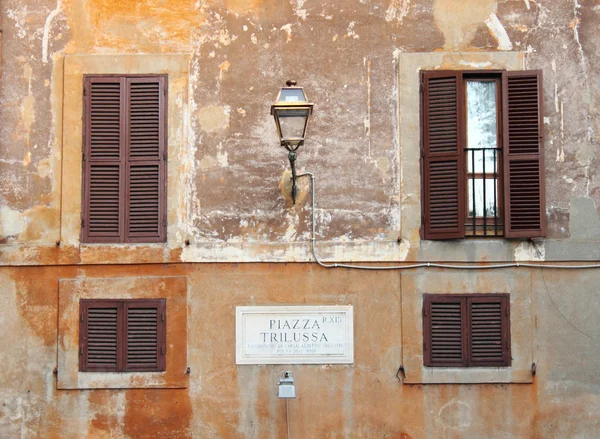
x=235, y=190
x=362, y=400
x=229, y=196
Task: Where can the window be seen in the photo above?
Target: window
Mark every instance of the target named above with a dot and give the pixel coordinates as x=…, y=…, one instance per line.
x=482, y=154
x=122, y=335
x=466, y=330
x=124, y=159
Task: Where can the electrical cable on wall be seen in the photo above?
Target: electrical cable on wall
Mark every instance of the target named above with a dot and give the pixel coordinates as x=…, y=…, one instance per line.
x=421, y=264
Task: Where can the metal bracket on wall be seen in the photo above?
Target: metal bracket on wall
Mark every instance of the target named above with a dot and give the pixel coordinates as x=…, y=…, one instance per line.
x=401, y=371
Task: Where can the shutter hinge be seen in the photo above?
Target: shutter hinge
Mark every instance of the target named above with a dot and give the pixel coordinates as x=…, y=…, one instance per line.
x=506, y=311
x=85, y=91
x=421, y=88
x=425, y=345
x=80, y=350
x=164, y=222
x=164, y=91
x=506, y=344
x=162, y=316
x=82, y=225
x=165, y=156
x=84, y=158
x=162, y=350
x=81, y=317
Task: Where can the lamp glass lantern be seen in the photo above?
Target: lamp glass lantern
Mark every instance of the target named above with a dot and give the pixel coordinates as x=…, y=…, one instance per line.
x=291, y=112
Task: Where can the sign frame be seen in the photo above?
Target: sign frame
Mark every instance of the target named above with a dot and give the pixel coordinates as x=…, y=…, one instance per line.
x=298, y=312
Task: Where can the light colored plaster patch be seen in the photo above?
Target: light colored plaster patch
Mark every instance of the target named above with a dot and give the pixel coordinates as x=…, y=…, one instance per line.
x=397, y=10
x=530, y=252
x=12, y=222
x=44, y=168
x=19, y=16
x=475, y=65
x=213, y=118
x=287, y=28
x=458, y=20
x=299, y=9
x=455, y=415
x=350, y=32
x=498, y=31
x=47, y=25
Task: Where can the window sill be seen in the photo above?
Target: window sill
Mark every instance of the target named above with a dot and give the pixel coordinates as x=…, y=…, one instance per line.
x=471, y=375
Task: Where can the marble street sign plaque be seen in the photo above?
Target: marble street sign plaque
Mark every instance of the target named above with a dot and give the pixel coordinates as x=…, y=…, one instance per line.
x=294, y=335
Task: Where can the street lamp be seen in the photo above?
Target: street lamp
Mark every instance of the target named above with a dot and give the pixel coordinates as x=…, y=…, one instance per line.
x=291, y=112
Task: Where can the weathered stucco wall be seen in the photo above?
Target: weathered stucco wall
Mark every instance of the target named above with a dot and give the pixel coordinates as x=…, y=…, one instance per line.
x=232, y=202
x=229, y=196
x=362, y=400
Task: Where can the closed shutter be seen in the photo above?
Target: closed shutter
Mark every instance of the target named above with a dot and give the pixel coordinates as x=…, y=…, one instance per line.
x=145, y=325
x=489, y=335
x=466, y=330
x=124, y=171
x=525, y=214
x=442, y=155
x=103, y=160
x=100, y=330
x=146, y=160
x=444, y=340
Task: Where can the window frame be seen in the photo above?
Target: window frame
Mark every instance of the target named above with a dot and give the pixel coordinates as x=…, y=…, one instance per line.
x=465, y=301
x=443, y=127
x=122, y=306
x=125, y=161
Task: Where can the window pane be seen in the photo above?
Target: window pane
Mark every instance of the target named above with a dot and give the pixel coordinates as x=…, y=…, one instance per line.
x=491, y=197
x=482, y=124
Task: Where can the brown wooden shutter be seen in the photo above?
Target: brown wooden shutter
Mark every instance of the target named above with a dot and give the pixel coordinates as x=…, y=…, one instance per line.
x=489, y=330
x=145, y=210
x=103, y=159
x=525, y=210
x=442, y=155
x=145, y=326
x=444, y=338
x=100, y=330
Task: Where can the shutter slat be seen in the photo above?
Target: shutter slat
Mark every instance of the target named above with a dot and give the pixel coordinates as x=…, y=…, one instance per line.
x=146, y=202
x=100, y=331
x=145, y=335
x=104, y=202
x=523, y=155
x=488, y=330
x=443, y=336
x=443, y=194
x=103, y=165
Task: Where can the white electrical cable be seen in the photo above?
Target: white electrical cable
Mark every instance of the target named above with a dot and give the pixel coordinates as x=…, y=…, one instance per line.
x=421, y=264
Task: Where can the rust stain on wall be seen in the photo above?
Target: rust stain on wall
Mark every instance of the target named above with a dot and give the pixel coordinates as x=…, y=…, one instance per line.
x=149, y=25
x=36, y=302
x=148, y=414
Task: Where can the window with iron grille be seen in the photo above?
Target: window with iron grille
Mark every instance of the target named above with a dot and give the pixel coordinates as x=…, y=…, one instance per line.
x=124, y=158
x=122, y=335
x=482, y=154
x=466, y=330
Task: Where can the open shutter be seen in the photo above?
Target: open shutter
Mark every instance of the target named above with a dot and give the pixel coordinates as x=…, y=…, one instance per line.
x=100, y=332
x=103, y=160
x=145, y=325
x=444, y=338
x=525, y=214
x=489, y=330
x=442, y=155
x=146, y=159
